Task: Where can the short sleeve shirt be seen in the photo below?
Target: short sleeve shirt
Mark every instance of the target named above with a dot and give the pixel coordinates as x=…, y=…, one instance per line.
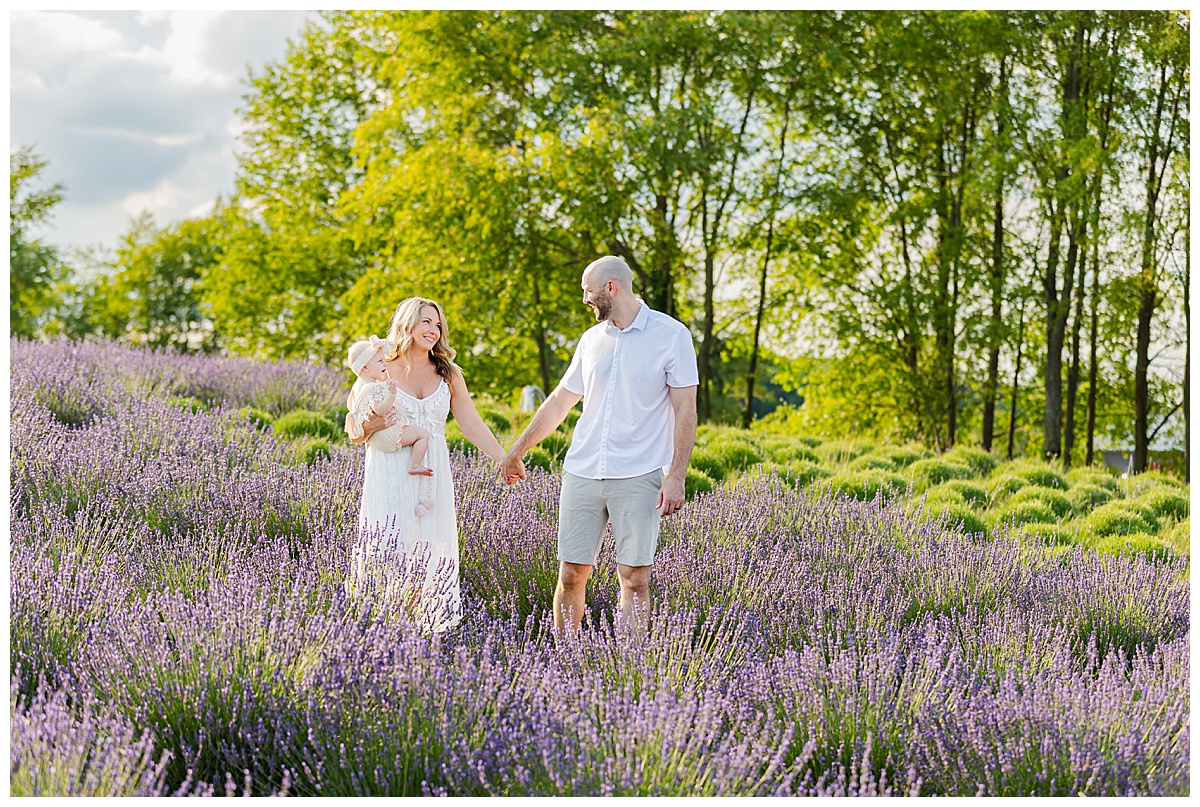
x=628, y=424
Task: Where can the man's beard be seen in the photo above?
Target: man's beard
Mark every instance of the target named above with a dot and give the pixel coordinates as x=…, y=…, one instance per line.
x=603, y=308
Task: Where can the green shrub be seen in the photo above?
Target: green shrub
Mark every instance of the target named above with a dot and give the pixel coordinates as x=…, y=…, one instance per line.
x=497, y=422
x=304, y=423
x=1028, y=512
x=556, y=444
x=1178, y=536
x=957, y=516
x=455, y=440
x=1137, y=484
x=866, y=485
x=1004, y=485
x=1165, y=502
x=1119, y=518
x=1039, y=473
x=782, y=450
x=1137, y=543
x=1059, y=534
x=842, y=451
x=941, y=493
x=803, y=473
x=1086, y=496
x=734, y=455
x=1056, y=501
x=873, y=462
x=935, y=470
x=904, y=456
x=258, y=418
x=315, y=449
x=536, y=457
x=978, y=460
x=697, y=482
x=973, y=494
x=193, y=405
x=1095, y=475
x=709, y=463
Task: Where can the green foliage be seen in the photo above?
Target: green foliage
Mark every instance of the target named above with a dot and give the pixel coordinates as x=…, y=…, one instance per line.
x=697, y=482
x=1178, y=537
x=1134, y=544
x=958, y=516
x=734, y=455
x=1027, y=512
x=1119, y=518
x=315, y=450
x=538, y=458
x=867, y=485
x=189, y=403
x=154, y=297
x=34, y=268
x=556, y=445
x=302, y=422
x=709, y=462
x=903, y=456
x=1004, y=484
x=494, y=419
x=1057, y=502
x=935, y=470
x=1047, y=533
x=1085, y=497
x=842, y=452
x=1034, y=472
x=873, y=462
x=804, y=473
x=972, y=493
x=257, y=417
x=1165, y=502
x=1095, y=475
x=979, y=461
x=456, y=440
x=787, y=450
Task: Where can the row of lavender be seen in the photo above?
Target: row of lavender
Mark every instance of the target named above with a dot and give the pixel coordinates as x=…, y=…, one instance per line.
x=178, y=625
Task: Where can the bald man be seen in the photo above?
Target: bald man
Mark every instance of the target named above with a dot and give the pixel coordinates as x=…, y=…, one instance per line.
x=636, y=373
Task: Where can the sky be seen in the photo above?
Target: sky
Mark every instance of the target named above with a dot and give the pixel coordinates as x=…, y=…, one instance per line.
x=135, y=111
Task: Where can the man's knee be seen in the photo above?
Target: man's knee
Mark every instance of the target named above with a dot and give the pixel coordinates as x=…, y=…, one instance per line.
x=634, y=577
x=573, y=575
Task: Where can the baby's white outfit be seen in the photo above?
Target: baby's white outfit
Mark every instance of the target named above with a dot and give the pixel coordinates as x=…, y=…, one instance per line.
x=364, y=397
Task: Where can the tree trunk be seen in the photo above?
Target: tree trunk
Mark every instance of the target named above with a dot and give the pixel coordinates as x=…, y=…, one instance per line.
x=1076, y=327
x=1057, y=308
x=704, y=360
x=1012, y=410
x=1187, y=351
x=1148, y=276
x=752, y=372
x=539, y=335
x=991, y=385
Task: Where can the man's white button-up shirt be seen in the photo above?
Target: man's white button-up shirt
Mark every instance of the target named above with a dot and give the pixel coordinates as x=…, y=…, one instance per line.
x=628, y=424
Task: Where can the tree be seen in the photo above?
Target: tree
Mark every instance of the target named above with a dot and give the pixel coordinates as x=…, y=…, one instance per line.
x=154, y=297
x=33, y=266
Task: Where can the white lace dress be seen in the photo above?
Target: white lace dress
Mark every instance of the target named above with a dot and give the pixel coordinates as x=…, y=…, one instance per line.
x=407, y=560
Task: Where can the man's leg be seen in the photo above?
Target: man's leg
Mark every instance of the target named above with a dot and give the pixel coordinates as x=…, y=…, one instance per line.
x=636, y=522
x=570, y=593
x=582, y=516
x=635, y=588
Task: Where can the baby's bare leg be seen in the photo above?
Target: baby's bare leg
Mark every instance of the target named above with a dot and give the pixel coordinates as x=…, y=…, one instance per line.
x=418, y=438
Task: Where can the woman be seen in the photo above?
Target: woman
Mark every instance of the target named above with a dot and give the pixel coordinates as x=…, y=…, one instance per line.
x=403, y=517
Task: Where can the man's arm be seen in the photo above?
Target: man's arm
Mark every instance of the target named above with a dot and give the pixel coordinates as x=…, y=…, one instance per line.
x=545, y=420
x=671, y=495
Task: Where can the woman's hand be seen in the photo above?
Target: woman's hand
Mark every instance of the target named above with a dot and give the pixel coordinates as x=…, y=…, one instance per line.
x=376, y=423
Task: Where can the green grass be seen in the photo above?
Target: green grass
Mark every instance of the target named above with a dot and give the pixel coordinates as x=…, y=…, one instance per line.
x=306, y=423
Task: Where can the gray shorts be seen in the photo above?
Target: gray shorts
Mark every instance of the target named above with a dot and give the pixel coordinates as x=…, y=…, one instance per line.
x=586, y=505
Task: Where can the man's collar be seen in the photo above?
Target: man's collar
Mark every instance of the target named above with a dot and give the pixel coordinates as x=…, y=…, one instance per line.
x=639, y=319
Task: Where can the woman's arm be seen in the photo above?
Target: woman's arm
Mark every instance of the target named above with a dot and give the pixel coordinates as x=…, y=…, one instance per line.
x=469, y=421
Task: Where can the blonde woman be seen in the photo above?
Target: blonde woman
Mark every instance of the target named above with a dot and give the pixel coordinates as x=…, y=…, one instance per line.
x=393, y=530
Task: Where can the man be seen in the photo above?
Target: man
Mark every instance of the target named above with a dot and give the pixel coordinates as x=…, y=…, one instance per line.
x=636, y=373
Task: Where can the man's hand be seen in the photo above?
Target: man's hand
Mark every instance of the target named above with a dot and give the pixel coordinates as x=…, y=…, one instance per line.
x=670, y=496
x=511, y=468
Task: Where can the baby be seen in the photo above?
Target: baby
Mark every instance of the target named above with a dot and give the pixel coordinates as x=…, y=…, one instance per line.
x=375, y=393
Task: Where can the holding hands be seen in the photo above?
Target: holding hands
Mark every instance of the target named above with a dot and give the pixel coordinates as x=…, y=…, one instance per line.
x=511, y=468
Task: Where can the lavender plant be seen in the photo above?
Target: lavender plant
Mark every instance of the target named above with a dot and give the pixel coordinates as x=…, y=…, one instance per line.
x=181, y=623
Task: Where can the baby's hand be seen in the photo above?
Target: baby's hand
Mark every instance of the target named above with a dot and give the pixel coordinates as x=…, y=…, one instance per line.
x=392, y=385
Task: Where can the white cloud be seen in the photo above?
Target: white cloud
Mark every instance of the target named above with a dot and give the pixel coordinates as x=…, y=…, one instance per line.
x=134, y=110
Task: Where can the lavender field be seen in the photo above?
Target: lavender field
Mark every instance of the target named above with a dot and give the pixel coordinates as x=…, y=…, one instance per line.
x=179, y=626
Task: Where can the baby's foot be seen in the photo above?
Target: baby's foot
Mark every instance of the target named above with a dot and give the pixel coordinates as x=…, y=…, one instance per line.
x=419, y=471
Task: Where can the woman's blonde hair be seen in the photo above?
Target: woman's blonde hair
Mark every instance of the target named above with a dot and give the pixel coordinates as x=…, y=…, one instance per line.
x=405, y=320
